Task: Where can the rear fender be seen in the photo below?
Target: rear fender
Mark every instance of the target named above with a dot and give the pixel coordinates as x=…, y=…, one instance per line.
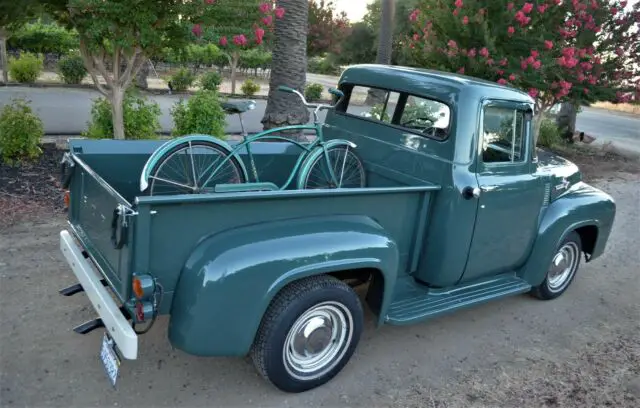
x=231, y=277
x=159, y=152
x=583, y=205
x=306, y=164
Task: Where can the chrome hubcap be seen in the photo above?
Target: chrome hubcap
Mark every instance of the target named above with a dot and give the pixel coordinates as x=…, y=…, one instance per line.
x=317, y=340
x=563, y=266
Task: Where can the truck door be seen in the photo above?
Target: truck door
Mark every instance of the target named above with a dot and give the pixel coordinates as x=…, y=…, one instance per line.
x=509, y=196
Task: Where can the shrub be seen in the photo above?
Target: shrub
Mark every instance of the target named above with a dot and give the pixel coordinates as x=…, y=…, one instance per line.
x=26, y=68
x=72, y=69
x=182, y=80
x=20, y=132
x=141, y=118
x=323, y=65
x=549, y=134
x=44, y=38
x=210, y=81
x=313, y=92
x=249, y=87
x=201, y=113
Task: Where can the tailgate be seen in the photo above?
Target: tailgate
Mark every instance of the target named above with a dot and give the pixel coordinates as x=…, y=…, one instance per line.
x=99, y=217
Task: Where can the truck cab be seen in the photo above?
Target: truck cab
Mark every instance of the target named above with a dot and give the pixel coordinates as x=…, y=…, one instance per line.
x=459, y=208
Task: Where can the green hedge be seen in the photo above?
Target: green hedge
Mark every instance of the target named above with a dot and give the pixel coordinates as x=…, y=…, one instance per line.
x=44, y=38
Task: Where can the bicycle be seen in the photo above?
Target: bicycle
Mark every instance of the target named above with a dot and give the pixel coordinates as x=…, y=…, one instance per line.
x=204, y=164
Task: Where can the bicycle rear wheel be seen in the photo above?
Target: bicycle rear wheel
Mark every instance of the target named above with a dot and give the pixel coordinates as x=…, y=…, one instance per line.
x=346, y=165
x=194, y=167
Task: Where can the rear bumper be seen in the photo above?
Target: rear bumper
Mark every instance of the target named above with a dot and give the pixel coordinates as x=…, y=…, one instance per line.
x=114, y=321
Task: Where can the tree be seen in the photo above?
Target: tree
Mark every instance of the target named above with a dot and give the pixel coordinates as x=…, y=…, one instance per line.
x=117, y=37
x=327, y=30
x=289, y=66
x=359, y=46
x=559, y=50
x=402, y=27
x=385, y=46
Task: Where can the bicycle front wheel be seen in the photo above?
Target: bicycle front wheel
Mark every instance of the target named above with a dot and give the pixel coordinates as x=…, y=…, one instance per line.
x=194, y=167
x=347, y=168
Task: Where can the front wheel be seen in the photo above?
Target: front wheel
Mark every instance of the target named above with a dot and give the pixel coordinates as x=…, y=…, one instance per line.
x=308, y=333
x=338, y=167
x=563, y=268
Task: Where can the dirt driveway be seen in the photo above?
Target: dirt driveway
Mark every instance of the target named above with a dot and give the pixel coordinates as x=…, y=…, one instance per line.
x=582, y=349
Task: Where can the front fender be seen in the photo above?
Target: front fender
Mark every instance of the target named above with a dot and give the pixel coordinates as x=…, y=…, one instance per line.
x=165, y=147
x=231, y=277
x=582, y=205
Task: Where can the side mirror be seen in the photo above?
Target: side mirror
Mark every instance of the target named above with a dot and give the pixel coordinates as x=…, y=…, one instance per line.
x=336, y=92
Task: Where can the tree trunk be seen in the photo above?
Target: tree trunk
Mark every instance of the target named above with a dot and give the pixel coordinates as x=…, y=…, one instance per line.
x=117, y=97
x=566, y=120
x=235, y=57
x=4, y=60
x=288, y=67
x=537, y=121
x=141, y=78
x=385, y=47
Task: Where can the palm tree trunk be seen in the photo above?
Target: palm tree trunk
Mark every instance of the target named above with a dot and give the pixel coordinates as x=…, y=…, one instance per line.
x=385, y=46
x=4, y=61
x=289, y=66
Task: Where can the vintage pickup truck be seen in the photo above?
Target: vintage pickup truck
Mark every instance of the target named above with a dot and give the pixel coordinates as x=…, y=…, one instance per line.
x=459, y=208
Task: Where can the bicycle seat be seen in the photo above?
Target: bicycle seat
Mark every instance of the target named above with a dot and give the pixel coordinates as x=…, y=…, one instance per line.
x=238, y=107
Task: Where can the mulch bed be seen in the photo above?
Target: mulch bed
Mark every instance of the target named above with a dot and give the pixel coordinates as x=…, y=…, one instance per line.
x=32, y=188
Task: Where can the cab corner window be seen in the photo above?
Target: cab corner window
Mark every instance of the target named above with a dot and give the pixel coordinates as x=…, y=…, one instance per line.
x=372, y=103
x=503, y=135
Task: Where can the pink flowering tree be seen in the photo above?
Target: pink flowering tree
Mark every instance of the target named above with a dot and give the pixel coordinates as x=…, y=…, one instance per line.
x=578, y=51
x=241, y=25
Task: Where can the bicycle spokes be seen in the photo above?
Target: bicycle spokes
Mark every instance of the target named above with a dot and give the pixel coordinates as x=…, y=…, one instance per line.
x=338, y=167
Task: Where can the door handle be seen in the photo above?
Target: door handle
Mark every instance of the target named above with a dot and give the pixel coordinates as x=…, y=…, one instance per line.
x=470, y=192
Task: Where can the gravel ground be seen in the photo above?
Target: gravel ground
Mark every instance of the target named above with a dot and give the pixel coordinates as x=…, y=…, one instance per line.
x=581, y=350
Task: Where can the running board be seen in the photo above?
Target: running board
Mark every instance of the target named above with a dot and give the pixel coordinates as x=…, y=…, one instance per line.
x=414, y=302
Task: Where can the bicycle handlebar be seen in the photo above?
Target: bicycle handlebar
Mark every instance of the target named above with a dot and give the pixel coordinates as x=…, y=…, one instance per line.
x=332, y=91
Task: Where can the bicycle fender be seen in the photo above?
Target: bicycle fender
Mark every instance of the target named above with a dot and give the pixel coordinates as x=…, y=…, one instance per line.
x=159, y=152
x=306, y=164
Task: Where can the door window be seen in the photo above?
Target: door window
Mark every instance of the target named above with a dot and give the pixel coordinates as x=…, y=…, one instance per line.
x=503, y=135
x=426, y=116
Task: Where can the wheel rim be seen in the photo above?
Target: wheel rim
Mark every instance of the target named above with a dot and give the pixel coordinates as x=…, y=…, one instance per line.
x=346, y=167
x=563, y=266
x=317, y=340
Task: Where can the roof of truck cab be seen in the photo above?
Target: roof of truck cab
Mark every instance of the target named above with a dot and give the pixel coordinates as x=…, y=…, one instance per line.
x=422, y=81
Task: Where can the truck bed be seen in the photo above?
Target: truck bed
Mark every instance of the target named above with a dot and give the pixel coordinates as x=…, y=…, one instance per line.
x=162, y=231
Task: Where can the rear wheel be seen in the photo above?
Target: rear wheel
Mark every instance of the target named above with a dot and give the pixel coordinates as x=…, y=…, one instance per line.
x=562, y=270
x=308, y=333
x=347, y=168
x=193, y=167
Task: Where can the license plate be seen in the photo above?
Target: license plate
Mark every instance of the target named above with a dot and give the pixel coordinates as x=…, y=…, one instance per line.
x=110, y=359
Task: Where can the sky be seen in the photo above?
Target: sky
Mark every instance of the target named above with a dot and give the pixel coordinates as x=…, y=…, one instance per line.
x=355, y=9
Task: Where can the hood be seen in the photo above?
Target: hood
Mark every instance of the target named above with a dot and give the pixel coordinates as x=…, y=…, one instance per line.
x=560, y=172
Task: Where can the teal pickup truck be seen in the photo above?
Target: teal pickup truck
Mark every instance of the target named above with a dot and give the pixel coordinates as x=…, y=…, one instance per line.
x=455, y=207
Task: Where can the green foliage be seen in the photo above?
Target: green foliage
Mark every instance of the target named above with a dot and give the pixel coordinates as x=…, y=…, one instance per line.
x=327, y=29
x=26, y=68
x=141, y=118
x=549, y=134
x=360, y=46
x=210, y=81
x=202, y=113
x=254, y=59
x=20, y=132
x=323, y=65
x=249, y=87
x=313, y=92
x=72, y=69
x=182, y=80
x=195, y=54
x=44, y=38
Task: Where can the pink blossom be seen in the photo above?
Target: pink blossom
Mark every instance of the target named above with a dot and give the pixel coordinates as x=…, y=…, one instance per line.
x=267, y=20
x=504, y=62
x=585, y=90
x=502, y=81
x=455, y=12
x=484, y=52
x=614, y=10
x=416, y=37
x=458, y=3
x=279, y=12
x=534, y=53
x=489, y=61
x=511, y=30
x=594, y=4
x=557, y=2
x=509, y=6
x=620, y=51
x=452, y=44
x=414, y=15
x=239, y=40
x=264, y=8
x=465, y=20
x=592, y=80
x=542, y=8
x=530, y=59
x=582, y=53
x=461, y=70
x=223, y=41
x=537, y=64
x=512, y=77
x=259, y=32
x=548, y=44
x=500, y=72
x=581, y=77
x=586, y=66
x=568, y=52
x=523, y=64
x=197, y=30
x=471, y=53
x=209, y=1
x=623, y=4
x=533, y=92
x=527, y=8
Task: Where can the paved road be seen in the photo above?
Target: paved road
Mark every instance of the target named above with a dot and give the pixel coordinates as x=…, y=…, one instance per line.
x=66, y=111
